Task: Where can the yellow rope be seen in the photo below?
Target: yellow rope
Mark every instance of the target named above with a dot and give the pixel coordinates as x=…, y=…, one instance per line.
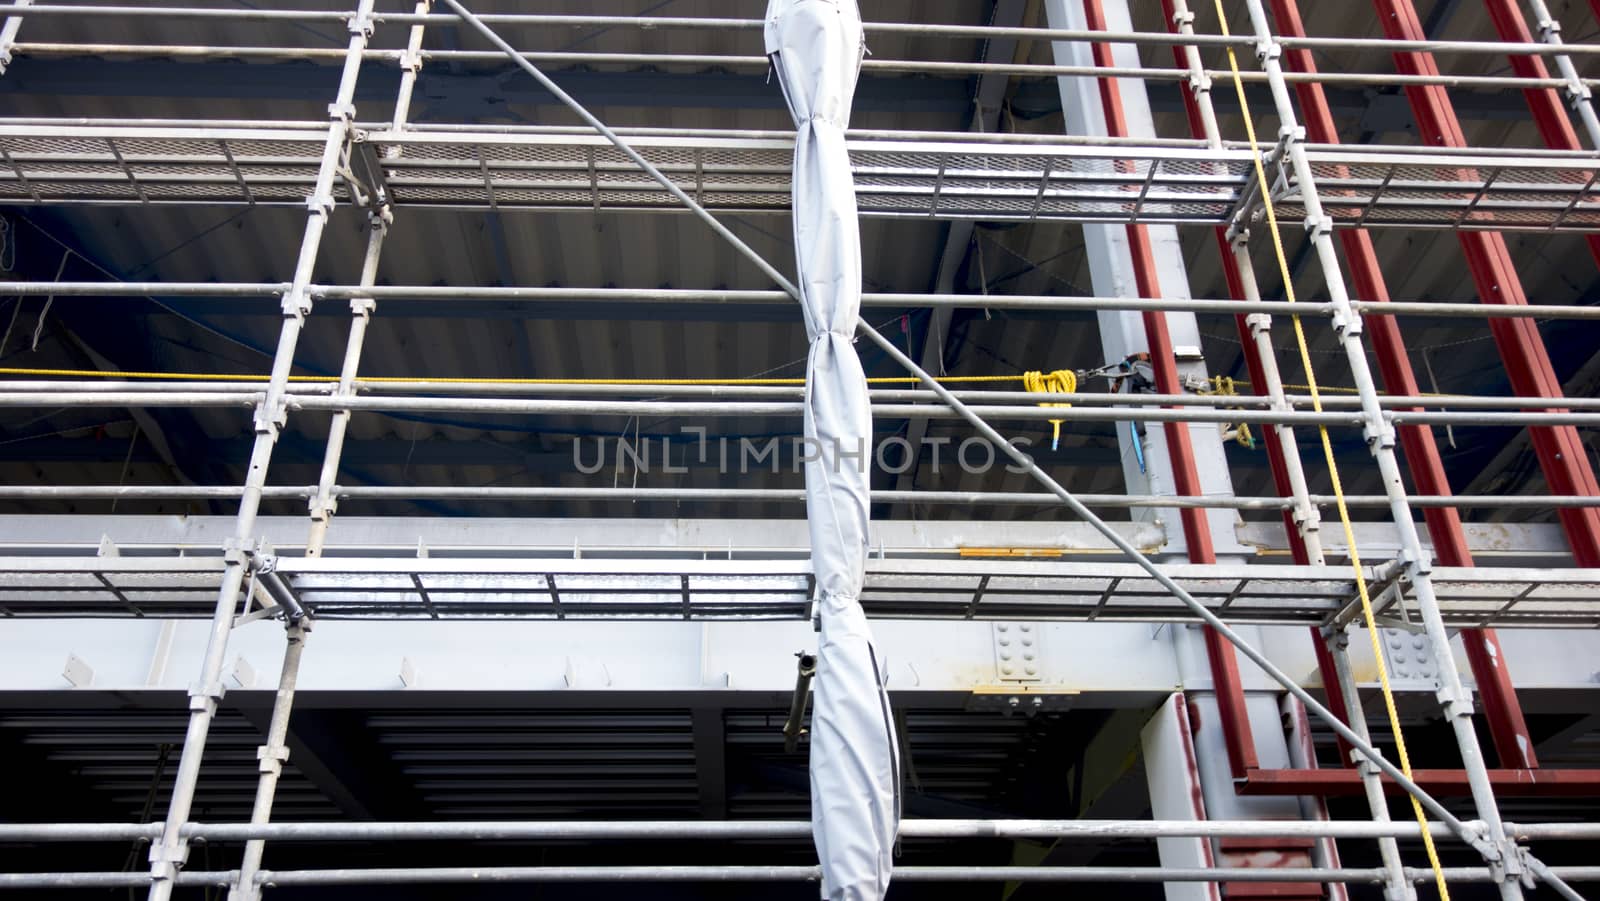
x=1333, y=469
x=1227, y=386
x=1061, y=381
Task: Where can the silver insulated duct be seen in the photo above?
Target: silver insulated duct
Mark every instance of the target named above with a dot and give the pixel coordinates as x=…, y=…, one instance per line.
x=816, y=49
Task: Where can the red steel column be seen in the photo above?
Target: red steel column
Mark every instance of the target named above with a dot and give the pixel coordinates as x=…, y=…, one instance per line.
x=1561, y=455
x=1228, y=684
x=1555, y=127
x=1506, y=723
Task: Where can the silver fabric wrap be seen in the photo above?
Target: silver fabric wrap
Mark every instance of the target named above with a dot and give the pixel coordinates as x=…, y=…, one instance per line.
x=816, y=50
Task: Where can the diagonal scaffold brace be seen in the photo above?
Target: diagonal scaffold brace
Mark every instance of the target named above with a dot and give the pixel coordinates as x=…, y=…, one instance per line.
x=1470, y=833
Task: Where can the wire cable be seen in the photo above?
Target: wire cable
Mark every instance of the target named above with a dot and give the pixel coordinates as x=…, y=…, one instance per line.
x=1333, y=469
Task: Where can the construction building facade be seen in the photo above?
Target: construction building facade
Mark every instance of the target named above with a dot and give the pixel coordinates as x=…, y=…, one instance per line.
x=409, y=444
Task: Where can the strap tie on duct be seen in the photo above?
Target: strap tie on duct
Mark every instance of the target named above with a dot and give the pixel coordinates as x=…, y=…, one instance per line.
x=1061, y=381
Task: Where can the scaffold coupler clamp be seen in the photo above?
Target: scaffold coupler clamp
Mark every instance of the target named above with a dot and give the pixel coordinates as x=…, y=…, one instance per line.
x=1346, y=320
x=1413, y=564
x=297, y=301
x=165, y=862
x=322, y=506
x=1364, y=764
x=1379, y=434
x=361, y=21
x=272, y=413
x=1267, y=49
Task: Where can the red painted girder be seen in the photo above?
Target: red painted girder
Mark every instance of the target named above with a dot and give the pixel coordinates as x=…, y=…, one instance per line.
x=1511, y=783
x=1561, y=455
x=1507, y=726
x=1555, y=127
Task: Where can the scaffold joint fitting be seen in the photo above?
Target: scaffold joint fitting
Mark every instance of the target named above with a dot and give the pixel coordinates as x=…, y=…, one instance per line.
x=1268, y=50
x=410, y=60
x=1183, y=19
x=362, y=306
x=1454, y=705
x=322, y=508
x=1379, y=435
x=204, y=696
x=320, y=204
x=1346, y=321
x=165, y=859
x=272, y=758
x=1258, y=322
x=271, y=415
x=296, y=302
x=361, y=23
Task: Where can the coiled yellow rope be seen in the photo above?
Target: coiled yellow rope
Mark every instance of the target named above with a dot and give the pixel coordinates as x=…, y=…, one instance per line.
x=1227, y=386
x=1061, y=381
x=1333, y=469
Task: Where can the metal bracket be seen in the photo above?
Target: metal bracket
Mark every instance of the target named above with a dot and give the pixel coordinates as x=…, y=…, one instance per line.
x=366, y=171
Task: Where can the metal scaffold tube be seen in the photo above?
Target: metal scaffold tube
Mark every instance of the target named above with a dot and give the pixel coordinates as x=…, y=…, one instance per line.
x=1026, y=412
x=752, y=873
x=938, y=30
x=1504, y=857
x=323, y=502
x=274, y=395
x=1489, y=847
x=723, y=830
x=668, y=297
x=168, y=855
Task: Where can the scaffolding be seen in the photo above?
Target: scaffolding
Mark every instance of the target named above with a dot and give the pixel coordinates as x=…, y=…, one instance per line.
x=1298, y=178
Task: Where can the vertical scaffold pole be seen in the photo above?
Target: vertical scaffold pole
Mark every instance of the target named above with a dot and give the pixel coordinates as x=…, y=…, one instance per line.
x=1506, y=723
x=1288, y=469
x=169, y=853
x=1503, y=857
x=1396, y=887
x=275, y=752
x=8, y=34
x=323, y=504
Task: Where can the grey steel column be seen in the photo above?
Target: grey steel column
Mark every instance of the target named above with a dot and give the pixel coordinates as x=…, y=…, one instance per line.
x=169, y=854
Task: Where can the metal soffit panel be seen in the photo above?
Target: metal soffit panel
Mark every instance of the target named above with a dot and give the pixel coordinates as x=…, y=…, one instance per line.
x=943, y=179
